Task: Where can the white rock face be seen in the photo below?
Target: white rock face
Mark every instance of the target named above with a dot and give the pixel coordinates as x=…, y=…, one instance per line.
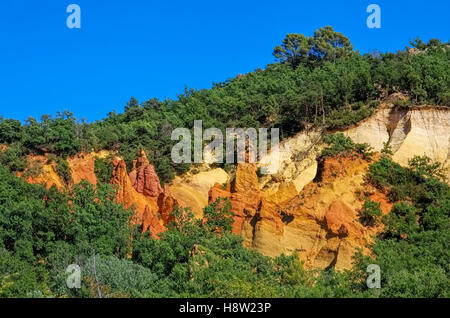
x=372, y=130
x=297, y=161
x=410, y=132
x=429, y=134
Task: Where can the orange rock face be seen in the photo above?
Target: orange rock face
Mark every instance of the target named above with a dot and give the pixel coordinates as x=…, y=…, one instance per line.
x=151, y=222
x=286, y=191
x=146, y=208
x=244, y=195
x=320, y=223
x=152, y=205
x=340, y=220
x=166, y=204
x=82, y=168
x=46, y=172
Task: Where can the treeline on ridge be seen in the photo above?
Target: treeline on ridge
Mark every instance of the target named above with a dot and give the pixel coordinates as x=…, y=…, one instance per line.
x=318, y=80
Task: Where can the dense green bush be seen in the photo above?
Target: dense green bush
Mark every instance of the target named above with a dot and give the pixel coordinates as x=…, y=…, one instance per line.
x=370, y=212
x=13, y=157
x=340, y=145
x=413, y=251
x=103, y=168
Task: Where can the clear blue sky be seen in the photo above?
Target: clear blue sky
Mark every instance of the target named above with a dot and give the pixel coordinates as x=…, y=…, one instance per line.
x=147, y=48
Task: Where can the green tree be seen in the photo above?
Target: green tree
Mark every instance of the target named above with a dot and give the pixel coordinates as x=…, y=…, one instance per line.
x=132, y=103
x=218, y=216
x=293, y=50
x=329, y=45
x=10, y=131
x=98, y=223
x=370, y=213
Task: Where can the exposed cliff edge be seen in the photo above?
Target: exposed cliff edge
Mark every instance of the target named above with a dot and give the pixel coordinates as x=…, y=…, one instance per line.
x=320, y=223
x=306, y=207
x=409, y=131
x=297, y=161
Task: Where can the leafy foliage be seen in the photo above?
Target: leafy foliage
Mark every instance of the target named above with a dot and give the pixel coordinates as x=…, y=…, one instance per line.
x=340, y=145
x=63, y=170
x=325, y=45
x=370, y=212
x=103, y=169
x=413, y=252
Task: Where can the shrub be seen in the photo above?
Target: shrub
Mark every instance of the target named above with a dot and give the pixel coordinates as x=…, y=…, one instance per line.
x=33, y=170
x=13, y=157
x=370, y=213
x=63, y=170
x=342, y=118
x=103, y=168
x=340, y=145
x=403, y=103
x=387, y=150
x=119, y=277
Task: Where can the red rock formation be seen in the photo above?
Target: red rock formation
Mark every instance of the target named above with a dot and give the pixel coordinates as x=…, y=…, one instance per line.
x=244, y=195
x=339, y=219
x=144, y=178
x=142, y=190
x=151, y=223
x=146, y=208
x=125, y=194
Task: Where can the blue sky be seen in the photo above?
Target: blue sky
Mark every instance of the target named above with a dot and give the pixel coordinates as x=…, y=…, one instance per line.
x=147, y=48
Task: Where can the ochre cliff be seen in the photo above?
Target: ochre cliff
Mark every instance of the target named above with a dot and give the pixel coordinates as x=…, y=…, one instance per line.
x=307, y=207
x=141, y=190
x=41, y=171
x=296, y=162
x=81, y=168
x=320, y=223
x=244, y=195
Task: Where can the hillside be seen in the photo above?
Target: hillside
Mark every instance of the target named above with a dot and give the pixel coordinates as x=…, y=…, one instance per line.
x=363, y=179
x=289, y=212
